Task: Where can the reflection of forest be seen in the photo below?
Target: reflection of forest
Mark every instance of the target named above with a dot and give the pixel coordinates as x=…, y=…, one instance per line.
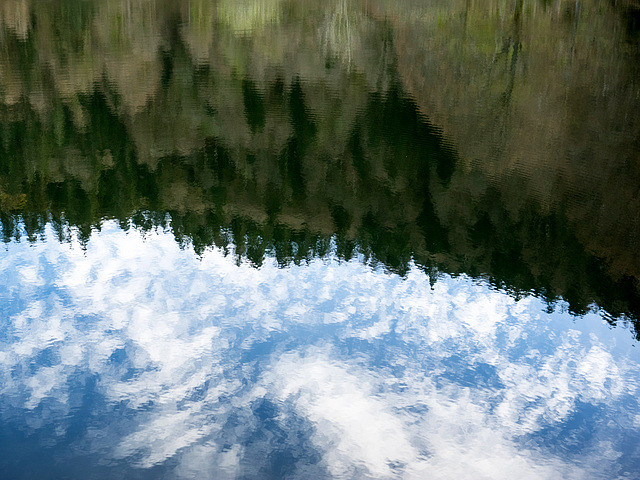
x=277, y=125
x=541, y=97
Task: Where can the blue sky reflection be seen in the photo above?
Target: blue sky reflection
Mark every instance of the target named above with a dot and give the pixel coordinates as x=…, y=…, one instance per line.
x=135, y=357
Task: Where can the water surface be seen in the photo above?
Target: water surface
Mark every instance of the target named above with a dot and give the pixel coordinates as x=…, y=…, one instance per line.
x=346, y=239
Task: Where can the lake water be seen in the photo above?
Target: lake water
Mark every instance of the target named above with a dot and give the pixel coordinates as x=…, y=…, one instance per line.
x=346, y=239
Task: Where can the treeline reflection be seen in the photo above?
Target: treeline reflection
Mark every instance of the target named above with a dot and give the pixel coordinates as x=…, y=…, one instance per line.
x=238, y=125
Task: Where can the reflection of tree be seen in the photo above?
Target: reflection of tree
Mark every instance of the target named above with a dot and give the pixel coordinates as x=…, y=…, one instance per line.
x=512, y=46
x=507, y=50
x=338, y=36
x=226, y=143
x=571, y=123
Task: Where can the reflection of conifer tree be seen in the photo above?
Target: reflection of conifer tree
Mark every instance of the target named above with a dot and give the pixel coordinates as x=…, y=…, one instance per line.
x=292, y=159
x=254, y=108
x=513, y=46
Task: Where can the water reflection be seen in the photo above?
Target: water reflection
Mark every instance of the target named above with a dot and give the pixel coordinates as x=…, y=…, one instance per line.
x=295, y=239
x=133, y=357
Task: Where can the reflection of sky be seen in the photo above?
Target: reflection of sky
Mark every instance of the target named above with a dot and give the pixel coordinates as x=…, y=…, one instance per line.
x=135, y=358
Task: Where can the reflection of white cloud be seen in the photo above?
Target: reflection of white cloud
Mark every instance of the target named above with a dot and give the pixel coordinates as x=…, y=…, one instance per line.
x=163, y=436
x=30, y=274
x=43, y=385
x=354, y=427
x=597, y=367
x=175, y=341
x=206, y=461
x=367, y=432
